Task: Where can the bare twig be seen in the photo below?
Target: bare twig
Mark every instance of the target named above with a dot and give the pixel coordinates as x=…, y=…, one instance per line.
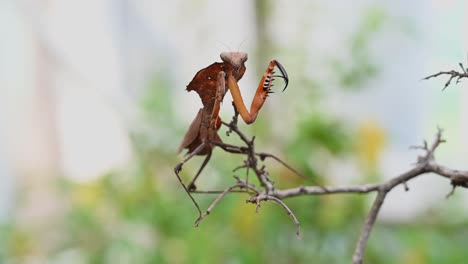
x=217, y=191
x=453, y=74
x=239, y=184
x=208, y=211
x=260, y=198
x=420, y=169
x=370, y=221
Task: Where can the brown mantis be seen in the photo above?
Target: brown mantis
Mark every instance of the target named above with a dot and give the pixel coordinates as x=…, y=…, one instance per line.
x=211, y=84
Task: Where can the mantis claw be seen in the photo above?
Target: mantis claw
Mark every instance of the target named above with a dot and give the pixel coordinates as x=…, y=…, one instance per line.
x=284, y=75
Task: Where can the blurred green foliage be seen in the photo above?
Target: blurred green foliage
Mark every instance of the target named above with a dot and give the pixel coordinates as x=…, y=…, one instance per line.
x=359, y=66
x=315, y=134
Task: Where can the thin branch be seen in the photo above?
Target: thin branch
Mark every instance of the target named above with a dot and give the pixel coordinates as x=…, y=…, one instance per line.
x=217, y=191
x=369, y=224
x=208, y=211
x=239, y=184
x=259, y=198
x=453, y=75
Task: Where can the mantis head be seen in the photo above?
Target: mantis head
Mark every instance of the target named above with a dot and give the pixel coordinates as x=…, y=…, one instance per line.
x=236, y=60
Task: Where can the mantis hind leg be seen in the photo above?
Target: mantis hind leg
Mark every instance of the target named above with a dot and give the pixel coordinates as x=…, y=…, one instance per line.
x=178, y=168
x=191, y=186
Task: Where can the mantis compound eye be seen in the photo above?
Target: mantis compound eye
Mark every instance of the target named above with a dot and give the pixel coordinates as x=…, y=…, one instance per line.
x=225, y=56
x=243, y=56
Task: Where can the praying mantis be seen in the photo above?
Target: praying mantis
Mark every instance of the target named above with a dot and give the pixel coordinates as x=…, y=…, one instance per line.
x=211, y=84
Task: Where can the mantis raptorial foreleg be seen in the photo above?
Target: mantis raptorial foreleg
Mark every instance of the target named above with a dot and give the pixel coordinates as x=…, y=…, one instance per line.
x=263, y=89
